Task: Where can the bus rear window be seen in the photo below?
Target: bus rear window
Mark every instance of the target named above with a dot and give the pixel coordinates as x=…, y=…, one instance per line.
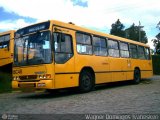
x=147, y=53
x=141, y=52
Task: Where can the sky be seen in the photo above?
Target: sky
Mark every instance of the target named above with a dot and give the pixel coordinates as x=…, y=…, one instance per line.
x=98, y=15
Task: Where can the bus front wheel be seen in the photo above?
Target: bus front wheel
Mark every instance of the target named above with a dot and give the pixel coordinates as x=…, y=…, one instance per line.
x=85, y=81
x=137, y=76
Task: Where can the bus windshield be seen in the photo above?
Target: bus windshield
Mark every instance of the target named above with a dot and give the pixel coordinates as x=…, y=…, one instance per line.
x=32, y=49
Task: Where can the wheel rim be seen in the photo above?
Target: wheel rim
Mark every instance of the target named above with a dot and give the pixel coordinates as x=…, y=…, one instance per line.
x=86, y=80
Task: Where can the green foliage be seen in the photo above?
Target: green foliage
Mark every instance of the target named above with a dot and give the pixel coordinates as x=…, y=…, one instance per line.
x=5, y=82
x=136, y=33
x=117, y=29
x=156, y=41
x=156, y=64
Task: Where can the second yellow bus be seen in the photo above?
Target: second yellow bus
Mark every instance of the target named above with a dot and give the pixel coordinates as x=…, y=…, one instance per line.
x=6, y=50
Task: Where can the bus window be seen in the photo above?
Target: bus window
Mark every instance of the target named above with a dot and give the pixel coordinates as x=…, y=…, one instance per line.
x=63, y=48
x=141, y=53
x=147, y=54
x=124, y=50
x=99, y=46
x=4, y=41
x=113, y=49
x=83, y=43
x=32, y=49
x=1, y=41
x=133, y=51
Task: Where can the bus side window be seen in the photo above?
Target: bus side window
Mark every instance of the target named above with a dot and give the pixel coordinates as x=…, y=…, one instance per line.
x=83, y=43
x=99, y=46
x=147, y=53
x=133, y=51
x=113, y=49
x=1, y=41
x=124, y=50
x=62, y=47
x=4, y=41
x=141, y=52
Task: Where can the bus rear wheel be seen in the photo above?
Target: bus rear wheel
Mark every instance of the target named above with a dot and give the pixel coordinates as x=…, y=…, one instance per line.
x=137, y=76
x=86, y=82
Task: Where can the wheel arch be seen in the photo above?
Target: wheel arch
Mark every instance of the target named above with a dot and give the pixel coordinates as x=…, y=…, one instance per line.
x=90, y=69
x=136, y=77
x=137, y=68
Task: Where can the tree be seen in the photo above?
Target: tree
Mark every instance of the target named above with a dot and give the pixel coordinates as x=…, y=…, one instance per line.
x=136, y=33
x=156, y=41
x=117, y=29
x=158, y=25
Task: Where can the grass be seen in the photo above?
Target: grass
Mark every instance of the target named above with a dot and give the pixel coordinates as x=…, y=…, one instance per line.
x=5, y=82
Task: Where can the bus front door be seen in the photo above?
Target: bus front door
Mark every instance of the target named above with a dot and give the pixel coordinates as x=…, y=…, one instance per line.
x=64, y=58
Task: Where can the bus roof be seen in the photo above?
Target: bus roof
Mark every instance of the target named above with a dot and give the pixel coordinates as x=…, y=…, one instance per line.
x=78, y=28
x=82, y=29
x=7, y=32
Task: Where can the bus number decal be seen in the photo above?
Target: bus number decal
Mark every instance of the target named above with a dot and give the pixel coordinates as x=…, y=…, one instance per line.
x=17, y=71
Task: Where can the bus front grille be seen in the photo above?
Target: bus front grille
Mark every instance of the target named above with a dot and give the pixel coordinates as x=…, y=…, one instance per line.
x=28, y=77
x=28, y=85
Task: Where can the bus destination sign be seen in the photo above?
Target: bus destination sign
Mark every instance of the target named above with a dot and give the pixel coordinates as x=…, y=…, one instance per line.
x=34, y=28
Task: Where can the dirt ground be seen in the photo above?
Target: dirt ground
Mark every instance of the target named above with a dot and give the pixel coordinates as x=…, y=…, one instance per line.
x=115, y=98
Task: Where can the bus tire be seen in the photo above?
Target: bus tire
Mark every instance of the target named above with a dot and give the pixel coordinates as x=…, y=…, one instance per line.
x=137, y=76
x=86, y=82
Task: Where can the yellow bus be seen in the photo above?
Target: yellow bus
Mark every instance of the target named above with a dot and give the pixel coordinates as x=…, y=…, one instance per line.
x=6, y=50
x=54, y=55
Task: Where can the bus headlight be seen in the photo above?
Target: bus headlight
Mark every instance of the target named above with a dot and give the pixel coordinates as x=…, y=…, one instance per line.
x=40, y=76
x=15, y=78
x=46, y=76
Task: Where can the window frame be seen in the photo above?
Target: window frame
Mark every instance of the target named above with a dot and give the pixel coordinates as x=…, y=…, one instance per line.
x=123, y=49
x=72, y=50
x=82, y=44
x=5, y=41
x=109, y=39
x=149, y=55
x=131, y=51
x=139, y=46
x=100, y=37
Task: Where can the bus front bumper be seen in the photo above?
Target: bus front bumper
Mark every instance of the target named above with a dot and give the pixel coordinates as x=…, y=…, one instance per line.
x=42, y=84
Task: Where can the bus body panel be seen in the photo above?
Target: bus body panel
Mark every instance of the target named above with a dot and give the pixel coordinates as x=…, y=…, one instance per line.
x=100, y=66
x=41, y=76
x=118, y=68
x=145, y=67
x=6, y=54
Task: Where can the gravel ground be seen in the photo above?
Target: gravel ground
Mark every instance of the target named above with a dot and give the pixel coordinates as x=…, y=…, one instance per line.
x=115, y=98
